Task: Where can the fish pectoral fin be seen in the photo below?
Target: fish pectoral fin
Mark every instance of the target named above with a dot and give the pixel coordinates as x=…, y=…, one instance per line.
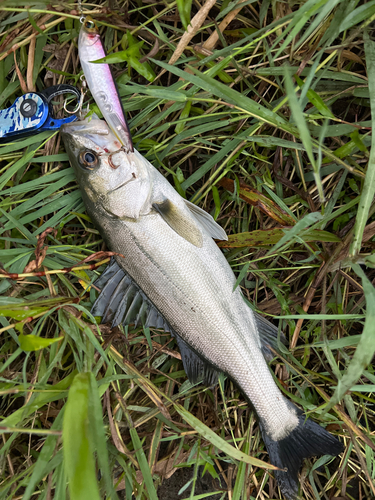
x=207, y=221
x=196, y=368
x=268, y=334
x=180, y=221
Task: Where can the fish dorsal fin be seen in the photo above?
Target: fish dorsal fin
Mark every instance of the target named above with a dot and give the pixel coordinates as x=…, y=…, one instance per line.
x=121, y=300
x=268, y=336
x=180, y=221
x=196, y=368
x=207, y=221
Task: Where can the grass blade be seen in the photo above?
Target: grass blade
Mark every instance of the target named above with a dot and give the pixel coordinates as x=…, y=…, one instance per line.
x=97, y=427
x=304, y=132
x=365, y=349
x=45, y=455
x=266, y=237
x=368, y=191
x=143, y=464
x=229, y=95
x=294, y=231
x=78, y=442
x=219, y=442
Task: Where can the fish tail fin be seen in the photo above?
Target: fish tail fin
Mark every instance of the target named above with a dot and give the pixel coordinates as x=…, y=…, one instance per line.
x=308, y=439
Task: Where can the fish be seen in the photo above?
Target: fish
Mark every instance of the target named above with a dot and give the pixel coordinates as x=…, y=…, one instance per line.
x=171, y=275
x=101, y=82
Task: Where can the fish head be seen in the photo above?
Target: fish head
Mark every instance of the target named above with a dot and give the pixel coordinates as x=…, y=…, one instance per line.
x=119, y=182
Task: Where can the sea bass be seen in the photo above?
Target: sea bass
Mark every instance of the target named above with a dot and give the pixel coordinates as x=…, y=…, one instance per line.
x=173, y=276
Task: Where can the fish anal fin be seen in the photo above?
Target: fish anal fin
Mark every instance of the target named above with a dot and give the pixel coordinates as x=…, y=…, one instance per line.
x=196, y=368
x=268, y=334
x=207, y=221
x=181, y=221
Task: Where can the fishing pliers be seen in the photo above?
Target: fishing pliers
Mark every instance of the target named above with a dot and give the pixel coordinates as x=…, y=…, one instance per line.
x=33, y=113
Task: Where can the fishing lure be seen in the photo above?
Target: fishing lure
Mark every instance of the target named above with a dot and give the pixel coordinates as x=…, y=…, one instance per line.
x=32, y=113
x=101, y=83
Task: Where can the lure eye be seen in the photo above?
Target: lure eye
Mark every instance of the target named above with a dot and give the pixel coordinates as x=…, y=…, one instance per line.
x=89, y=24
x=88, y=160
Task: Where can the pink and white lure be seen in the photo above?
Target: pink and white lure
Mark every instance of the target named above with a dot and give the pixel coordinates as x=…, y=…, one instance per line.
x=101, y=83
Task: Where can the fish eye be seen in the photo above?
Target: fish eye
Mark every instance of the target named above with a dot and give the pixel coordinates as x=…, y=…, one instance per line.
x=88, y=159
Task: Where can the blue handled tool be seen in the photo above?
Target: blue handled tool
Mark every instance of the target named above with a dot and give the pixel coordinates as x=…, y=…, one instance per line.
x=32, y=113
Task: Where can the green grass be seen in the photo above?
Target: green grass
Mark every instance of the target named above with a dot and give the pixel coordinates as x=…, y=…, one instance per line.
x=270, y=132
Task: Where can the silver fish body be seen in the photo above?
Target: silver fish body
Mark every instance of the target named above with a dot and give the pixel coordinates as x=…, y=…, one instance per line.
x=178, y=270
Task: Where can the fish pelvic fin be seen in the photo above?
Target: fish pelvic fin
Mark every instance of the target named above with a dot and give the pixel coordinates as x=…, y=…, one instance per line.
x=308, y=439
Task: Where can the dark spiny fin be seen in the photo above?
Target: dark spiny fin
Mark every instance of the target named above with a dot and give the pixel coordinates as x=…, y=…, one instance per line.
x=134, y=307
x=107, y=294
x=268, y=336
x=108, y=272
x=307, y=440
x=196, y=369
x=125, y=300
x=151, y=317
x=207, y=221
x=115, y=299
x=166, y=327
x=181, y=221
x=142, y=314
x=159, y=321
x=122, y=301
